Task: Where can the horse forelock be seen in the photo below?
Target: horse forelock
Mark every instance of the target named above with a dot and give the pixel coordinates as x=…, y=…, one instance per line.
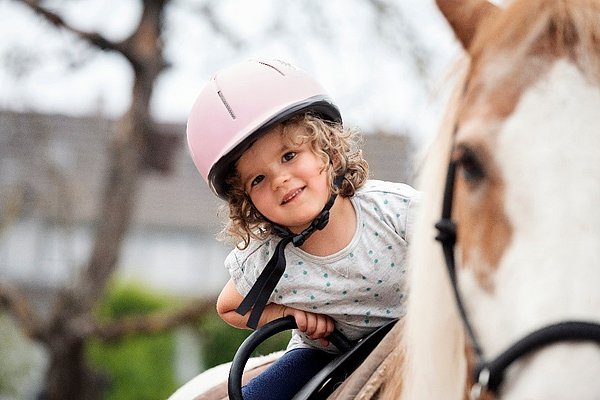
x=540, y=29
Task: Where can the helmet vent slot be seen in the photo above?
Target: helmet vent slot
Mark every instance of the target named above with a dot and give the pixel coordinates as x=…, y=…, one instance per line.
x=226, y=104
x=271, y=66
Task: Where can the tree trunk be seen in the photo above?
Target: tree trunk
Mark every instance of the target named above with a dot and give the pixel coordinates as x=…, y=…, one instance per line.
x=68, y=376
x=134, y=148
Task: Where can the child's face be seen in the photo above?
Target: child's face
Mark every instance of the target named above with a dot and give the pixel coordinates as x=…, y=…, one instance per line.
x=286, y=182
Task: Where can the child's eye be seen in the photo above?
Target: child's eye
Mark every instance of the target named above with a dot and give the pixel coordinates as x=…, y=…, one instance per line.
x=257, y=180
x=288, y=156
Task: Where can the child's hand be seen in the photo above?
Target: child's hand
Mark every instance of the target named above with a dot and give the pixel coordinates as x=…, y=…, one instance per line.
x=315, y=326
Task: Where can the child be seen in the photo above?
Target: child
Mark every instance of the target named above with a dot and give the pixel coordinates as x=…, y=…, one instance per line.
x=268, y=140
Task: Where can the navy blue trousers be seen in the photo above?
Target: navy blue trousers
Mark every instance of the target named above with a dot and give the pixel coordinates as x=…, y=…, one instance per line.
x=286, y=376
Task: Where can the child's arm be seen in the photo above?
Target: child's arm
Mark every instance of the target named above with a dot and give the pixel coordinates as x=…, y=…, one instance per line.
x=230, y=299
x=316, y=326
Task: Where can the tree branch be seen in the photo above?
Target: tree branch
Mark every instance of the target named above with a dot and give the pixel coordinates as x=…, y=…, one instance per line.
x=157, y=322
x=207, y=11
x=16, y=303
x=93, y=38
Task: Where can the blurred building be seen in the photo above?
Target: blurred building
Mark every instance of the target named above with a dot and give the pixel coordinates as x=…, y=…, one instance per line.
x=52, y=171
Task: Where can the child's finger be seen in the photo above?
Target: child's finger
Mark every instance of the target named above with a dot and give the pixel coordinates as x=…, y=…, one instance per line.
x=311, y=324
x=321, y=330
x=301, y=321
x=330, y=326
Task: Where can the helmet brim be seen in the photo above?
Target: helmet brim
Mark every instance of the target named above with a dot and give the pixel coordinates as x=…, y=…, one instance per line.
x=321, y=106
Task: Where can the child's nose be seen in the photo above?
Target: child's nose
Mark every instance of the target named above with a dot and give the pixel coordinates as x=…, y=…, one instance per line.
x=280, y=179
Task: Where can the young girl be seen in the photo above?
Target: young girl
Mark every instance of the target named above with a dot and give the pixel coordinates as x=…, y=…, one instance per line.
x=315, y=238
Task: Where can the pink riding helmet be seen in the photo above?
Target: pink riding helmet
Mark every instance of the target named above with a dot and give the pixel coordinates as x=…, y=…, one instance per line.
x=242, y=102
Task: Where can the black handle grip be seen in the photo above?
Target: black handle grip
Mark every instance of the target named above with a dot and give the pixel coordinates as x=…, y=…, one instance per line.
x=234, y=383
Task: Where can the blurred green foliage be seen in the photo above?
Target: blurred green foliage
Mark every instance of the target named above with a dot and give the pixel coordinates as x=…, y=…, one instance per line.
x=141, y=367
x=221, y=341
x=137, y=367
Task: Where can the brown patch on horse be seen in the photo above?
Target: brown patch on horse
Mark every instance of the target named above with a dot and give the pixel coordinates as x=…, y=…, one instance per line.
x=506, y=59
x=484, y=231
x=386, y=382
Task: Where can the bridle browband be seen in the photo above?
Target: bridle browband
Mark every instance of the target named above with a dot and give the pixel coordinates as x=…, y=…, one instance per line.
x=489, y=373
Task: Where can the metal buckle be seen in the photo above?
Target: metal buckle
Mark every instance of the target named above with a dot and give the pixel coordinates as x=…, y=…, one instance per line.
x=481, y=386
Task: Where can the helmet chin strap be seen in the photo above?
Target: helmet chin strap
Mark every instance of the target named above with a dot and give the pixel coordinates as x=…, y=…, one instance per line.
x=259, y=294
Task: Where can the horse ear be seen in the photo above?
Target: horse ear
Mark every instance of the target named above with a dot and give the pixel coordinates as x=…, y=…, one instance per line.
x=466, y=16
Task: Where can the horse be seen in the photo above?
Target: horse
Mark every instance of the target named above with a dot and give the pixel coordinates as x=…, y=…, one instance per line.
x=515, y=285
x=507, y=306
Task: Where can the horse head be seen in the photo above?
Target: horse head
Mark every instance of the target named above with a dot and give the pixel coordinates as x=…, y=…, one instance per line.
x=522, y=142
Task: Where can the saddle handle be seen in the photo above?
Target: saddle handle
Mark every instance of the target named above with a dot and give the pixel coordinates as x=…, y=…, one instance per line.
x=234, y=382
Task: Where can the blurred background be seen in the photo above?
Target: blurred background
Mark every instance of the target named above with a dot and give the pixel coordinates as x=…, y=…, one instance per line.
x=109, y=266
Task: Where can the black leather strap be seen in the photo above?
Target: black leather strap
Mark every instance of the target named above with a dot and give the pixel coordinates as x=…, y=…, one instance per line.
x=564, y=331
x=259, y=294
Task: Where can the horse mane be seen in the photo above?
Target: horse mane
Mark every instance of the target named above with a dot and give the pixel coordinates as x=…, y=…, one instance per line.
x=431, y=317
x=557, y=28
x=433, y=363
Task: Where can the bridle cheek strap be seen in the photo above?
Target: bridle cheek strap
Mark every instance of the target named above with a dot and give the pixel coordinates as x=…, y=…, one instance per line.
x=489, y=374
x=447, y=237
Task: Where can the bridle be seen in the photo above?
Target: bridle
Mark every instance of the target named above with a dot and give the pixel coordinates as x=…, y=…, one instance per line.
x=489, y=373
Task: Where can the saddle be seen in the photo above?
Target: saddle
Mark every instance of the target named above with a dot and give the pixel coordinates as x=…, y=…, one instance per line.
x=322, y=385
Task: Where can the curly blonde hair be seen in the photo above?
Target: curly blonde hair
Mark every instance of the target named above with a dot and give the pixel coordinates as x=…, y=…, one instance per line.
x=339, y=148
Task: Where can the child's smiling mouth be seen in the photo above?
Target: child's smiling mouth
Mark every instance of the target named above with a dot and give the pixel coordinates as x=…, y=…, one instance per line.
x=291, y=195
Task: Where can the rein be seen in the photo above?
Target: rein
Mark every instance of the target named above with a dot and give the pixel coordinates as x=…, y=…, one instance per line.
x=488, y=374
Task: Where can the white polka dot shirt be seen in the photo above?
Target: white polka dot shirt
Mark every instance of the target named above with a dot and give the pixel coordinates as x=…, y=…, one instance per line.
x=362, y=286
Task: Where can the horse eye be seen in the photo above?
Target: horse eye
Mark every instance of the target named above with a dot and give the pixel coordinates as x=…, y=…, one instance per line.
x=470, y=166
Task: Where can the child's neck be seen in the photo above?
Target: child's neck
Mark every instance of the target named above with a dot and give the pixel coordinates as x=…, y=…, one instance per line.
x=338, y=232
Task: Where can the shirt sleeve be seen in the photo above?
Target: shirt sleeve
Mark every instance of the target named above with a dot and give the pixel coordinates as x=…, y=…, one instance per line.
x=245, y=265
x=396, y=204
x=411, y=215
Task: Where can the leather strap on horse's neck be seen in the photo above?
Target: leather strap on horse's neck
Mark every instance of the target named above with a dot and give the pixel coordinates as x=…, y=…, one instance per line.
x=259, y=294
